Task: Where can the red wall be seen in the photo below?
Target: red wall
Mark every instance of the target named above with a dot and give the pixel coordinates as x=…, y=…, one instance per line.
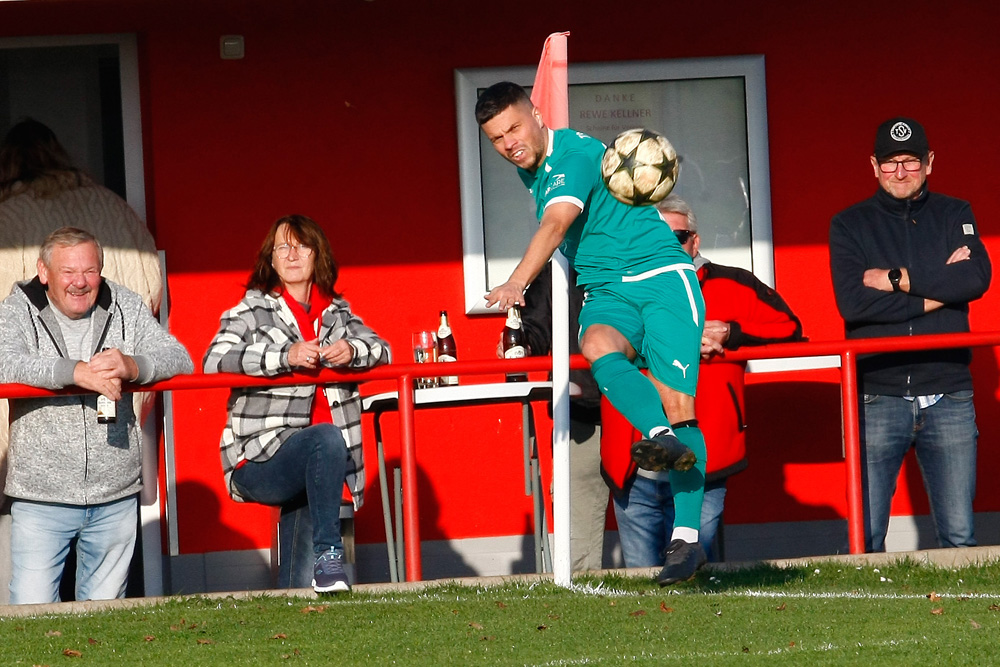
x=345, y=111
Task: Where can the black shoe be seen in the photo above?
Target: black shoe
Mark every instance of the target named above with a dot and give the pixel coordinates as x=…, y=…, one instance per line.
x=663, y=452
x=328, y=573
x=683, y=560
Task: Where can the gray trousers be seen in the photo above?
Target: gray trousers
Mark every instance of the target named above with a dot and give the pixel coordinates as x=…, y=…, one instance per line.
x=588, y=497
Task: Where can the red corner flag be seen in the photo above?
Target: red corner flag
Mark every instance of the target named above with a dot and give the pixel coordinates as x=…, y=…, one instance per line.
x=551, y=90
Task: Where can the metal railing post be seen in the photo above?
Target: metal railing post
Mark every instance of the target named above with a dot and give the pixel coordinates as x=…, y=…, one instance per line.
x=852, y=452
x=408, y=462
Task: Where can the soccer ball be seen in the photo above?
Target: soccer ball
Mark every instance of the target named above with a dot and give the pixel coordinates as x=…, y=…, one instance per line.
x=640, y=167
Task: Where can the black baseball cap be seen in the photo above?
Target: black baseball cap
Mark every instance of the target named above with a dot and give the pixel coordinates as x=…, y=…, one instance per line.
x=900, y=135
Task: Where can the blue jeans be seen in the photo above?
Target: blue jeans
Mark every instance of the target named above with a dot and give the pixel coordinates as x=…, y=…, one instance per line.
x=40, y=538
x=305, y=477
x=646, y=519
x=944, y=436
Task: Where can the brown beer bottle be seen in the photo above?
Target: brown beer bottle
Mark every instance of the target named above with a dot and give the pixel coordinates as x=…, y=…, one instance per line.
x=513, y=342
x=446, y=349
x=107, y=410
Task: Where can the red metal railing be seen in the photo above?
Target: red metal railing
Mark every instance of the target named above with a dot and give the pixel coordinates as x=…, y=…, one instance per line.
x=848, y=351
x=405, y=375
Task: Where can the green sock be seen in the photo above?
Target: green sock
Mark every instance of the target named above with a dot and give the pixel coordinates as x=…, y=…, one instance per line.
x=689, y=487
x=630, y=392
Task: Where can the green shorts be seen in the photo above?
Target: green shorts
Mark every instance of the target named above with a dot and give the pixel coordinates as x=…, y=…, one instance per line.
x=662, y=316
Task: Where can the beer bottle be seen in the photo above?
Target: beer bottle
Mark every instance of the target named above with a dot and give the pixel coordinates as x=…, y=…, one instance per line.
x=513, y=342
x=446, y=349
x=107, y=410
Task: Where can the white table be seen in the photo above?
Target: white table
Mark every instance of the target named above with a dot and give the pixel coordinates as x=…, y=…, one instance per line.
x=457, y=396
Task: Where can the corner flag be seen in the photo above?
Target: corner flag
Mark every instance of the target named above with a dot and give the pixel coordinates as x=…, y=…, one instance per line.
x=550, y=95
x=551, y=90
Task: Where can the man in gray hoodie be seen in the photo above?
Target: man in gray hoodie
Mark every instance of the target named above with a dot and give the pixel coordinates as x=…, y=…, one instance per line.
x=74, y=469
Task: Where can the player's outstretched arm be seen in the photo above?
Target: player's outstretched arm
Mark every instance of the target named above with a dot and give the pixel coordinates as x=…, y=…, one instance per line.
x=552, y=230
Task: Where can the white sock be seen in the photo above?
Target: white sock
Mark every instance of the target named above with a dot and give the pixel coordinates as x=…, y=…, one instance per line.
x=660, y=430
x=689, y=535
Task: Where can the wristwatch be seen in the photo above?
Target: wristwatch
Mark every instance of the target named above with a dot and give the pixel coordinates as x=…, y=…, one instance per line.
x=895, y=275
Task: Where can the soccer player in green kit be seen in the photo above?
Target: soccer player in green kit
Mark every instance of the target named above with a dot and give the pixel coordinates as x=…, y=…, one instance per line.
x=642, y=307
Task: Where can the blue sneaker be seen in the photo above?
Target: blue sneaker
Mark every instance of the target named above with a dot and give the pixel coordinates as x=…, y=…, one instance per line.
x=328, y=573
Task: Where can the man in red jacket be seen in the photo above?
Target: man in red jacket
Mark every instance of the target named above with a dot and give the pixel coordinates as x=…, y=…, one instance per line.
x=739, y=310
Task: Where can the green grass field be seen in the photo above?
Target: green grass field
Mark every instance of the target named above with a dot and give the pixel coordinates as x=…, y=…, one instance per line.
x=824, y=613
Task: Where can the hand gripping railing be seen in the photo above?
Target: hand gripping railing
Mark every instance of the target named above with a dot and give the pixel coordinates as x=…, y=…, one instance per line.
x=406, y=374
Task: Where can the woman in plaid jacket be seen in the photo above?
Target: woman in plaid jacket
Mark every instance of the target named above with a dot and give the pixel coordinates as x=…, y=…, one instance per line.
x=294, y=447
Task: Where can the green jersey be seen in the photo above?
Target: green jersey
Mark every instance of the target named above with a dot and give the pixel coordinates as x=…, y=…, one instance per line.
x=609, y=240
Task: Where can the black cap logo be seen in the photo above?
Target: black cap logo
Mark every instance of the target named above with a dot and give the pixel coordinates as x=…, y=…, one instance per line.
x=900, y=131
x=900, y=135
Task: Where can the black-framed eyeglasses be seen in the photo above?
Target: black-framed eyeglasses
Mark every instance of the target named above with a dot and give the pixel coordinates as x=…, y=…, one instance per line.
x=684, y=235
x=909, y=164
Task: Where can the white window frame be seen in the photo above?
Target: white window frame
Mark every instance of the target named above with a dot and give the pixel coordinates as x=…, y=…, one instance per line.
x=759, y=258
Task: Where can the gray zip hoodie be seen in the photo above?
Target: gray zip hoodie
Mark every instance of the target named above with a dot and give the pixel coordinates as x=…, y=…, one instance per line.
x=58, y=451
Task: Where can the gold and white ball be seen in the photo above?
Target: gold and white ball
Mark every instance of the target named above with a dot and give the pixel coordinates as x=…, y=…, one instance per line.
x=640, y=167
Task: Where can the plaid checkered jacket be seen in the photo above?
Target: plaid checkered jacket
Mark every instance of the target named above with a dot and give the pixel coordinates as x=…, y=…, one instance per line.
x=254, y=338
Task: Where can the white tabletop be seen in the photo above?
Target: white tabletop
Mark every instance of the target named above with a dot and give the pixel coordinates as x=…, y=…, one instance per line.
x=793, y=363
x=495, y=392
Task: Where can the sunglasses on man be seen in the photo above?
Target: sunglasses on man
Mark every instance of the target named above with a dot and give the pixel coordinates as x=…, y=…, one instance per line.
x=683, y=235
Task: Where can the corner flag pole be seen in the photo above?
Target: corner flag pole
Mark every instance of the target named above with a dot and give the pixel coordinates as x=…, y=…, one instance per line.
x=551, y=95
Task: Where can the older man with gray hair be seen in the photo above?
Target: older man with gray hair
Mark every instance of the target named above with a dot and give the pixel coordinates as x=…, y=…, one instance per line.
x=73, y=472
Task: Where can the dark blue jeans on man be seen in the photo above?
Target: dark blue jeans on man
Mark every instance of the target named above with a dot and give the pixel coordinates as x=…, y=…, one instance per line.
x=305, y=477
x=944, y=436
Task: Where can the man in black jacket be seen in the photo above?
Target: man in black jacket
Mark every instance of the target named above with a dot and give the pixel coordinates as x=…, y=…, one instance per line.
x=907, y=262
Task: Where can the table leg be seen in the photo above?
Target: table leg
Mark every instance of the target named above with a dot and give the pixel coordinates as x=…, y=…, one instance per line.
x=383, y=483
x=533, y=479
x=544, y=542
x=538, y=508
x=526, y=431
x=397, y=489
